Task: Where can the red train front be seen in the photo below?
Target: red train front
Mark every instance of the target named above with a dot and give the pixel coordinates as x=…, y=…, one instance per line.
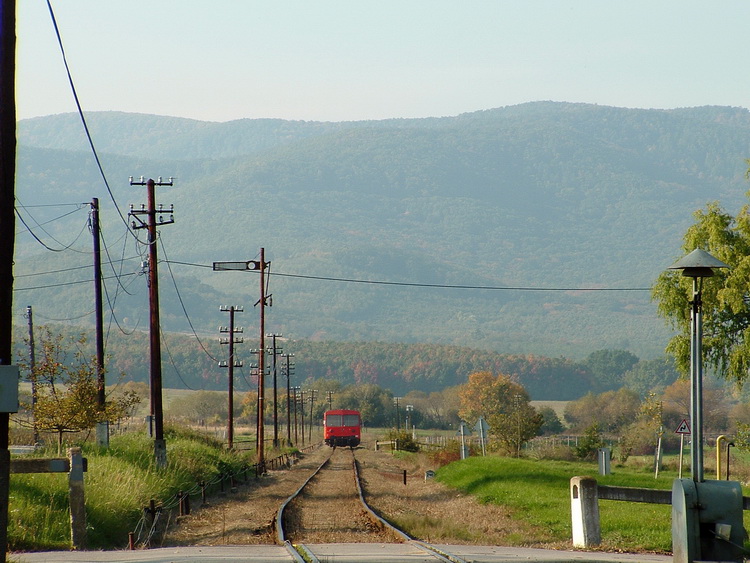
x=342, y=427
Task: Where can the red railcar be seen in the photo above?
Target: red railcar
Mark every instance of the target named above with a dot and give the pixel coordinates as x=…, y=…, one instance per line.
x=342, y=427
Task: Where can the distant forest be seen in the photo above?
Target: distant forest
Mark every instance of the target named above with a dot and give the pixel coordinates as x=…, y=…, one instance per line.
x=400, y=368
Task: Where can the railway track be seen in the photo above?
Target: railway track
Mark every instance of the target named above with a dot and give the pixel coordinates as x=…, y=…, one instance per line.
x=330, y=507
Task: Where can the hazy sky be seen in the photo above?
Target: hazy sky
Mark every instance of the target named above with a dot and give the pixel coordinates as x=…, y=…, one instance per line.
x=219, y=60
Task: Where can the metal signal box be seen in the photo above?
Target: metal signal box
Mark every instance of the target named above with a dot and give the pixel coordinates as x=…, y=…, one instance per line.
x=707, y=521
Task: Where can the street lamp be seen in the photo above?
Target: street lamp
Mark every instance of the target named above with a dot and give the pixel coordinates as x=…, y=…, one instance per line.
x=707, y=516
x=698, y=264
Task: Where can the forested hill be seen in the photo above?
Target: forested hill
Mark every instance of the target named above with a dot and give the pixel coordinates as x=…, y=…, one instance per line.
x=399, y=368
x=542, y=202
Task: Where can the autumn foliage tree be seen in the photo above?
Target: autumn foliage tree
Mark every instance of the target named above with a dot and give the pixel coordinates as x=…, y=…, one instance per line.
x=505, y=406
x=66, y=388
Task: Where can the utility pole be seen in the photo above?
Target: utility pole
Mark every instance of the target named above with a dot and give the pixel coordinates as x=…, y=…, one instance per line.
x=313, y=396
x=275, y=351
x=32, y=366
x=102, y=426
x=8, y=236
x=231, y=364
x=398, y=414
x=157, y=411
x=296, y=426
x=302, y=413
x=262, y=265
x=288, y=372
x=329, y=396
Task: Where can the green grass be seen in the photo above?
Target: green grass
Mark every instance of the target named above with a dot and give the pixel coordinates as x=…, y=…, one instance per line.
x=119, y=482
x=537, y=492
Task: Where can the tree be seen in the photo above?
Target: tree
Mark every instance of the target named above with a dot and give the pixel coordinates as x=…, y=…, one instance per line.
x=505, y=406
x=200, y=407
x=716, y=405
x=610, y=411
x=726, y=305
x=609, y=366
x=551, y=423
x=66, y=389
x=651, y=375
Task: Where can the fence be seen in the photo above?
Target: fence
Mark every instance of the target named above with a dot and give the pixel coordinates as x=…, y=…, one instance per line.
x=585, y=494
x=74, y=465
x=157, y=515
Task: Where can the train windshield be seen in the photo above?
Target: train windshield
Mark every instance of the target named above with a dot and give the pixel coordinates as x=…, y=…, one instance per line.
x=351, y=420
x=342, y=420
x=334, y=420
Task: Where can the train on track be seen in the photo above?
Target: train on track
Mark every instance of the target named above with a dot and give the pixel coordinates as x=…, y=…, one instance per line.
x=342, y=427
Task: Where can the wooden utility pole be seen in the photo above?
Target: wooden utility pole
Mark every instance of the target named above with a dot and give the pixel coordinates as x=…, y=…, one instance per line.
x=275, y=351
x=102, y=427
x=288, y=399
x=7, y=233
x=101, y=395
x=231, y=364
x=261, y=266
x=32, y=369
x=157, y=411
x=261, y=361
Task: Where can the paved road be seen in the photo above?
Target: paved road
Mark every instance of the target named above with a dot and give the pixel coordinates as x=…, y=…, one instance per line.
x=339, y=553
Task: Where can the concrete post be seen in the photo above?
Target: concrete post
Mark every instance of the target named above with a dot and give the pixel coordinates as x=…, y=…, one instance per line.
x=584, y=508
x=77, y=506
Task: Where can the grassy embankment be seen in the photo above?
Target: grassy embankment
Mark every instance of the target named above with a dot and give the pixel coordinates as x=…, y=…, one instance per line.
x=537, y=492
x=119, y=483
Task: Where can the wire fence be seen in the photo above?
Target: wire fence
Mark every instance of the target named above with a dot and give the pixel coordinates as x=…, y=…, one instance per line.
x=156, y=517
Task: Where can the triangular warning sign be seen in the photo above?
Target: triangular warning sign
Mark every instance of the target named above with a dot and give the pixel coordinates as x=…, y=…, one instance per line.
x=683, y=428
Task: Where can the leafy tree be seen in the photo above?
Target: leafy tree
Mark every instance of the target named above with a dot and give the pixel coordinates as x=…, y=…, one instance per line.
x=716, y=405
x=551, y=423
x=641, y=434
x=66, y=389
x=651, y=375
x=374, y=403
x=589, y=444
x=610, y=411
x=505, y=406
x=609, y=366
x=726, y=306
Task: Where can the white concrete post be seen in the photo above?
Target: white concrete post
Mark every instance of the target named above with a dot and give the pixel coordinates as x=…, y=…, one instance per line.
x=584, y=509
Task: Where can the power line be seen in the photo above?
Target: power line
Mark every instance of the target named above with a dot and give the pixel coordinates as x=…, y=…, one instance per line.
x=434, y=285
x=61, y=284
x=40, y=241
x=182, y=304
x=83, y=118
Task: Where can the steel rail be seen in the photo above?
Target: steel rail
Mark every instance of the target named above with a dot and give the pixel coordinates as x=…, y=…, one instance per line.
x=295, y=550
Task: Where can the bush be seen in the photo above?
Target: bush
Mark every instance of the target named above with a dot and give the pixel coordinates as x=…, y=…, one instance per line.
x=404, y=440
x=588, y=446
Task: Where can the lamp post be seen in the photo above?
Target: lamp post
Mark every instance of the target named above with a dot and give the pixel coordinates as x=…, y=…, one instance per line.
x=707, y=516
x=698, y=264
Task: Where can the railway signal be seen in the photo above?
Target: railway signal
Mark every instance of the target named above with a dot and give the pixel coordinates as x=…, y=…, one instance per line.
x=261, y=266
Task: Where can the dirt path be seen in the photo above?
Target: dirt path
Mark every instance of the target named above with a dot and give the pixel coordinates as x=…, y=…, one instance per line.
x=423, y=508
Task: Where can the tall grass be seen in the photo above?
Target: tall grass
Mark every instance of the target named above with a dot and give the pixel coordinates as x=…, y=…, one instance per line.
x=537, y=492
x=119, y=483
